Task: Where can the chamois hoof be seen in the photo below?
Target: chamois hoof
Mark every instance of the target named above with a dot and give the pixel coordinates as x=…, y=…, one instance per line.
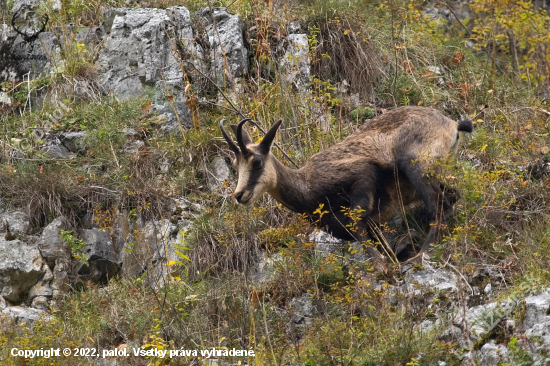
x=410, y=263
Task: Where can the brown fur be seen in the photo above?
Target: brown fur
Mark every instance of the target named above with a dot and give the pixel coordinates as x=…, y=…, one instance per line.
x=376, y=168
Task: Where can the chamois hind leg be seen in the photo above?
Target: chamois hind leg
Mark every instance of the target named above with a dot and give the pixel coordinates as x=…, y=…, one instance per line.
x=438, y=206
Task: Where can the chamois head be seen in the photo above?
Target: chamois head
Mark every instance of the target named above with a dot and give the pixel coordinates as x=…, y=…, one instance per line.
x=253, y=162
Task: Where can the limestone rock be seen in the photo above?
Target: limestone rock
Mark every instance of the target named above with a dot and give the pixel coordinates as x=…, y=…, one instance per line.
x=302, y=309
x=326, y=243
x=31, y=5
x=28, y=316
x=481, y=319
x=431, y=278
x=295, y=62
x=460, y=10
x=536, y=322
x=18, y=221
x=40, y=302
x=21, y=266
x=138, y=53
x=42, y=288
x=540, y=336
x=426, y=326
x=133, y=147
x=265, y=270
x=154, y=248
x=219, y=173
x=492, y=354
x=53, y=148
x=5, y=98
x=537, y=309
x=18, y=57
x=72, y=141
x=225, y=44
x=60, y=281
x=51, y=244
x=103, y=260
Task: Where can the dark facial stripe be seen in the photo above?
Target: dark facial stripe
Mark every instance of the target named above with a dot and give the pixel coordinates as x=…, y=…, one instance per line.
x=253, y=178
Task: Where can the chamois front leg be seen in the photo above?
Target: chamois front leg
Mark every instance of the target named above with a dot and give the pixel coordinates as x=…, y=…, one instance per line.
x=438, y=206
x=366, y=232
x=362, y=206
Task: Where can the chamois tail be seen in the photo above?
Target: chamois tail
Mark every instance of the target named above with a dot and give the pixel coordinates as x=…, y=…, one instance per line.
x=465, y=126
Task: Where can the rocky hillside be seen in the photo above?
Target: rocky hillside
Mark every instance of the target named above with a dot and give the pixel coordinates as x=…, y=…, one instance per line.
x=118, y=231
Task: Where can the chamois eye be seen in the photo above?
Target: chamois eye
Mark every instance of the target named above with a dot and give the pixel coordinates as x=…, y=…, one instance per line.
x=256, y=163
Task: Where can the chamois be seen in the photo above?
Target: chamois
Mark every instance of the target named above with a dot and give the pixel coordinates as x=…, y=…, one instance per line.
x=376, y=169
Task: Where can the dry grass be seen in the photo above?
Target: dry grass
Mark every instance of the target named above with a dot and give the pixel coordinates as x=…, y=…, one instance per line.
x=227, y=238
x=46, y=193
x=345, y=54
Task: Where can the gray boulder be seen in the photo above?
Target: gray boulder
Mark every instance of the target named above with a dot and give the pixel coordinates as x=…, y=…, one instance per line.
x=103, y=259
x=326, y=244
x=460, y=11
x=21, y=266
x=51, y=244
x=225, y=50
x=72, y=141
x=302, y=310
x=18, y=57
x=153, y=249
x=426, y=326
x=40, y=55
x=540, y=336
x=265, y=269
x=218, y=173
x=132, y=147
x=5, y=99
x=41, y=289
x=536, y=322
x=41, y=302
x=138, y=52
x=149, y=247
x=295, y=62
x=432, y=278
x=41, y=293
x=19, y=222
x=490, y=354
x=480, y=320
x=31, y=5
x=53, y=148
x=60, y=281
x=21, y=5
x=537, y=309
x=20, y=315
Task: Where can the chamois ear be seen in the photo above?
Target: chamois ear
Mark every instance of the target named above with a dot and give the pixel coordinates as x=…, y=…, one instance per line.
x=232, y=145
x=265, y=145
x=246, y=137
